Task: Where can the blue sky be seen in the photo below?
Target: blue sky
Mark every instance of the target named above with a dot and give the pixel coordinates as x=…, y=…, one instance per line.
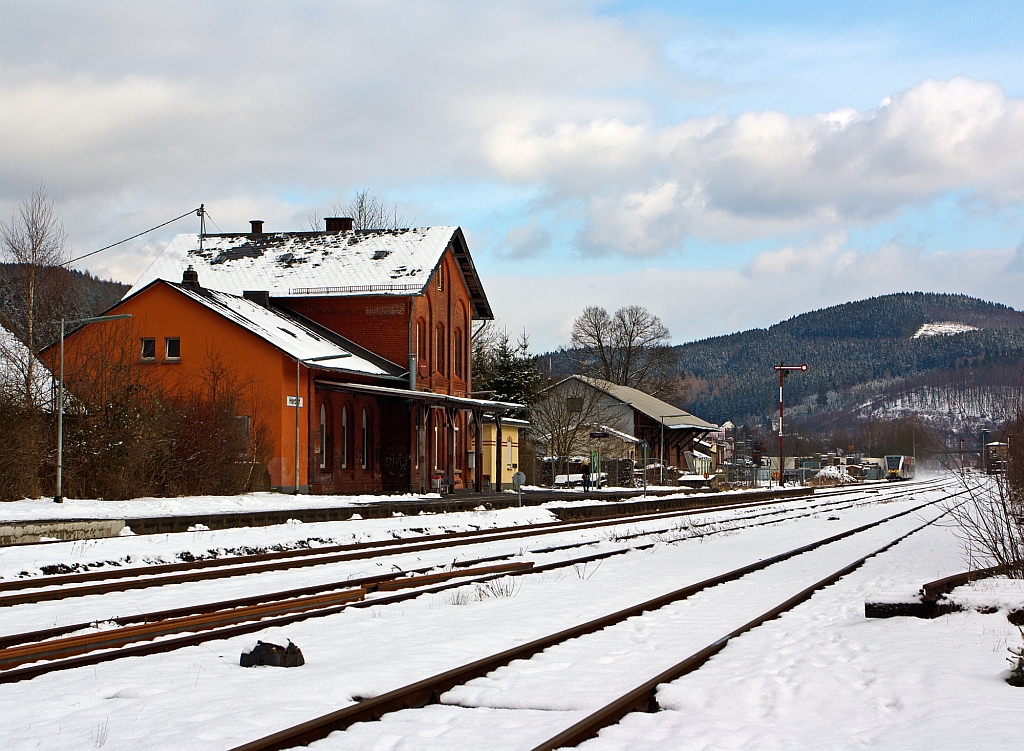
x=727, y=165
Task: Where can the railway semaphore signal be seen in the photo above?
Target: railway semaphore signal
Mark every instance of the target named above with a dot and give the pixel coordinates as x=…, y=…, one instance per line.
x=783, y=371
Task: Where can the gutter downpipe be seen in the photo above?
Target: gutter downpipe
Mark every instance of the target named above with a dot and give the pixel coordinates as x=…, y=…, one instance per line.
x=298, y=386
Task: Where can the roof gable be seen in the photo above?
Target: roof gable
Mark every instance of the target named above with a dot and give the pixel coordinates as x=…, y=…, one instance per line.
x=318, y=264
x=291, y=334
x=655, y=408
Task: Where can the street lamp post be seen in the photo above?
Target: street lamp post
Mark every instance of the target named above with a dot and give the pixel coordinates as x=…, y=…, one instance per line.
x=298, y=402
x=58, y=496
x=783, y=371
x=661, y=419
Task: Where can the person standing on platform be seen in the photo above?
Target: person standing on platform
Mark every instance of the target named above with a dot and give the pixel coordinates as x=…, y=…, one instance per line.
x=586, y=476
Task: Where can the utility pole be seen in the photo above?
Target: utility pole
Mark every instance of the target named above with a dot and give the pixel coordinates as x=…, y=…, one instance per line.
x=783, y=371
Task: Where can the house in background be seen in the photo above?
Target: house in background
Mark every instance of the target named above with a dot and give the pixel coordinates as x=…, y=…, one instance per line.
x=669, y=431
x=370, y=328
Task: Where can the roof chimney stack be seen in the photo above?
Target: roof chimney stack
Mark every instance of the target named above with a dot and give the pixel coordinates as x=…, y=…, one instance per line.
x=260, y=297
x=257, y=226
x=338, y=223
x=190, y=278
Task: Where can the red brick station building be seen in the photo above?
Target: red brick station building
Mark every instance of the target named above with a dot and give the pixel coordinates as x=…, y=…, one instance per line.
x=373, y=325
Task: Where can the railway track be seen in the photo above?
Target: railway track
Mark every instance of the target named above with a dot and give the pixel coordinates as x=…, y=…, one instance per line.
x=244, y=615
x=451, y=687
x=63, y=586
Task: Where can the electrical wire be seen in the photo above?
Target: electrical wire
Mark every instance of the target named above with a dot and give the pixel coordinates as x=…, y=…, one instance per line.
x=208, y=216
x=190, y=212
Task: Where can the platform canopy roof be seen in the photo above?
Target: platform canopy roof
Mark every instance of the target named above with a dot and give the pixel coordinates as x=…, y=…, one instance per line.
x=485, y=406
x=319, y=264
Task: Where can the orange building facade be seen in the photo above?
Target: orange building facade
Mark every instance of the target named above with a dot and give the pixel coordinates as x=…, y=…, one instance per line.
x=383, y=367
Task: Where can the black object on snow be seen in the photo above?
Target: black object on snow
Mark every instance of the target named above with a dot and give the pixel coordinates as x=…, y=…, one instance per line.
x=275, y=655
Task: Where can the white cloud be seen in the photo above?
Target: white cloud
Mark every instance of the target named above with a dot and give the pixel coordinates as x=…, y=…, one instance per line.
x=775, y=285
x=130, y=114
x=526, y=241
x=766, y=173
x=812, y=256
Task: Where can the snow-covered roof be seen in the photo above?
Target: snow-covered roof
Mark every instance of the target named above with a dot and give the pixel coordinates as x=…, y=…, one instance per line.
x=14, y=360
x=655, y=408
x=318, y=264
x=301, y=339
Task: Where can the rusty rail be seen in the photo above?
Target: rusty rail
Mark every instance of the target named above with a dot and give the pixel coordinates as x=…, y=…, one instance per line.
x=150, y=576
x=643, y=697
x=932, y=591
x=430, y=689
x=217, y=621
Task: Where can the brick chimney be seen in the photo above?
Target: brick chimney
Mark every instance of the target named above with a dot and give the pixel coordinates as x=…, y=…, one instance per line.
x=190, y=278
x=338, y=223
x=257, y=226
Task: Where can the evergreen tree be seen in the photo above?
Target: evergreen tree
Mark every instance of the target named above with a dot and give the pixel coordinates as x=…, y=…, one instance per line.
x=506, y=369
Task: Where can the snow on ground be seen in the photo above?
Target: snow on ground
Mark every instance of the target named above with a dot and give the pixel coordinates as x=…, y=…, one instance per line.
x=142, y=550
x=36, y=509
x=943, y=328
x=31, y=509
x=835, y=475
x=784, y=685
x=824, y=676
x=1004, y=594
x=16, y=562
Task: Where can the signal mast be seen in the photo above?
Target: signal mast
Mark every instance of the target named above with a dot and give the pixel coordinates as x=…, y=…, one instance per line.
x=783, y=371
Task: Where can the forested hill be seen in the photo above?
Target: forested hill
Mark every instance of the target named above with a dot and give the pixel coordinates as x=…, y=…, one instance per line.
x=91, y=294
x=869, y=343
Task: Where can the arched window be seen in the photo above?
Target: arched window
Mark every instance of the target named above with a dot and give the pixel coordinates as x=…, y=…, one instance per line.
x=441, y=347
x=344, y=437
x=440, y=278
x=323, y=436
x=422, y=348
x=460, y=359
x=366, y=442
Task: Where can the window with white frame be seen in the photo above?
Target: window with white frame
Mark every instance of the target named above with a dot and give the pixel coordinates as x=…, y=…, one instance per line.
x=172, y=348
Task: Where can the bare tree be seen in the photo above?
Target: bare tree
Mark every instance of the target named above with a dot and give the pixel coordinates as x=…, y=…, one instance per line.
x=367, y=212
x=991, y=521
x=563, y=417
x=33, y=284
x=629, y=347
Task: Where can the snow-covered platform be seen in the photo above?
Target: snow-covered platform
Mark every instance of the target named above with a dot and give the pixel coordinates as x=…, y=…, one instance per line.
x=41, y=520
